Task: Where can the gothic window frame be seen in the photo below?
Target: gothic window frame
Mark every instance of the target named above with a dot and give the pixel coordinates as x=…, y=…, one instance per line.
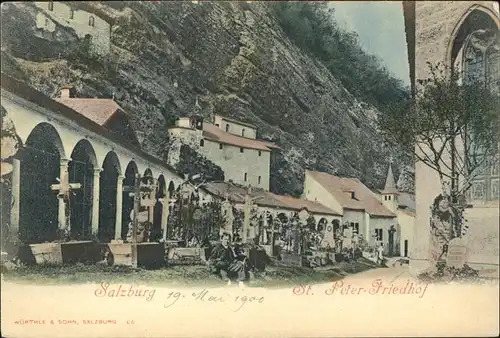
x=485, y=185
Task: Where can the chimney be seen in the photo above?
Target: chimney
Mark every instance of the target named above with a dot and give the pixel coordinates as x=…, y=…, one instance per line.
x=67, y=91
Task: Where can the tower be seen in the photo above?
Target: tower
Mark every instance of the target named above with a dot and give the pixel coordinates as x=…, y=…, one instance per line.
x=390, y=192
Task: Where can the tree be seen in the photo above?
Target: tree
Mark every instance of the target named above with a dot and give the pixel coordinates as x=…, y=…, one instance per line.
x=447, y=116
x=452, y=127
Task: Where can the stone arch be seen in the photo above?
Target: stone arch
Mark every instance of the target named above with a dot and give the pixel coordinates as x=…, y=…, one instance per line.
x=128, y=201
x=461, y=31
x=81, y=170
x=40, y=168
x=322, y=223
x=108, y=179
x=171, y=189
x=50, y=134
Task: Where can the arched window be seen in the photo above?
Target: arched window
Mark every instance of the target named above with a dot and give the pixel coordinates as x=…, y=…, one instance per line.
x=477, y=56
x=245, y=178
x=227, y=128
x=243, y=132
x=202, y=142
x=71, y=14
x=91, y=21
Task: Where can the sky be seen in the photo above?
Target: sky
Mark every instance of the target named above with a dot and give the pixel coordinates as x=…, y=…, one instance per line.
x=380, y=27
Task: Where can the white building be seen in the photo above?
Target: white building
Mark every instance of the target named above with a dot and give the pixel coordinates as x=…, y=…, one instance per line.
x=85, y=24
x=230, y=144
x=358, y=205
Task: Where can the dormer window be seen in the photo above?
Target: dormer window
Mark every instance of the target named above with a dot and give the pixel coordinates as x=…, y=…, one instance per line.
x=51, y=6
x=71, y=14
x=227, y=128
x=243, y=132
x=91, y=21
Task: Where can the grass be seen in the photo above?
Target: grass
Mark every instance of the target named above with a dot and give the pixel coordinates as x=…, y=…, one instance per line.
x=276, y=275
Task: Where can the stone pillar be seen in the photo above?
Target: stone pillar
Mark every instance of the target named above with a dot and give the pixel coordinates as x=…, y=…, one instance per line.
x=95, y=203
x=14, y=213
x=164, y=217
x=64, y=180
x=119, y=207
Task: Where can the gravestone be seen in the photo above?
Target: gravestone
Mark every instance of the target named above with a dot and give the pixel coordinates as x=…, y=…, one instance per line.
x=227, y=212
x=457, y=253
x=347, y=243
x=328, y=240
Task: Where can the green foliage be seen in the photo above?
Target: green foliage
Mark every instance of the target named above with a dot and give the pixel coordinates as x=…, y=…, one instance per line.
x=312, y=27
x=191, y=162
x=445, y=112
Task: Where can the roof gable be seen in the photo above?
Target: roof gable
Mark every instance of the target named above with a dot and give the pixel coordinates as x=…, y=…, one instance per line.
x=342, y=188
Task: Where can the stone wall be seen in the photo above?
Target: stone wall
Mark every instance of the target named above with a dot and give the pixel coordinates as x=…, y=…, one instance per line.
x=81, y=22
x=236, y=128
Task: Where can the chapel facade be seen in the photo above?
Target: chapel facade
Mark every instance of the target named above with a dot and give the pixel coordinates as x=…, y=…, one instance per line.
x=463, y=35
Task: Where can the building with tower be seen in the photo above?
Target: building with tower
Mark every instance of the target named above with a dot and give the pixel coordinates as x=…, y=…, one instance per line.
x=230, y=144
x=402, y=204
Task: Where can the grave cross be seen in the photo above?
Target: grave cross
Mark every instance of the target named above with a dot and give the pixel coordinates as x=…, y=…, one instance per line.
x=135, y=192
x=64, y=188
x=248, y=208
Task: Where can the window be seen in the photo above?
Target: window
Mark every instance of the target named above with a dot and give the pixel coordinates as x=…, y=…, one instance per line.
x=227, y=128
x=51, y=6
x=243, y=132
x=353, y=195
x=245, y=178
x=202, y=142
x=389, y=198
x=385, y=197
x=259, y=179
x=379, y=234
x=217, y=125
x=260, y=153
x=91, y=21
x=221, y=146
x=71, y=14
x=478, y=57
x=356, y=228
x=242, y=149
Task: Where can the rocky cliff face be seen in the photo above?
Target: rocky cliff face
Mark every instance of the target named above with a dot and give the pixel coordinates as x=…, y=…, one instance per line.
x=233, y=56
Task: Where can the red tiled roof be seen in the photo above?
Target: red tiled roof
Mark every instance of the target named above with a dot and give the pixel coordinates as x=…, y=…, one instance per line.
x=340, y=188
x=266, y=198
x=213, y=133
x=97, y=110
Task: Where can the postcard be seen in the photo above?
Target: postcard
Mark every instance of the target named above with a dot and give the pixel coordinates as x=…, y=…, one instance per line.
x=250, y=169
